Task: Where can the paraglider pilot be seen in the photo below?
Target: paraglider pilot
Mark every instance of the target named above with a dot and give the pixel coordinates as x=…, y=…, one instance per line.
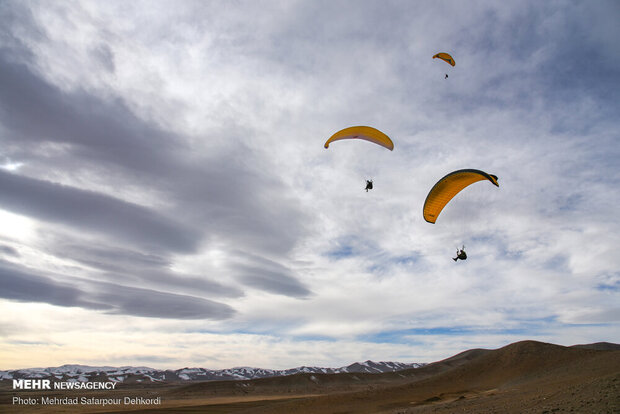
x=460, y=254
x=446, y=76
x=368, y=185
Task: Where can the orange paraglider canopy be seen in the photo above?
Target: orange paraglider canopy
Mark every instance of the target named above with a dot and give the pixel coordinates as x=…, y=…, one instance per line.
x=449, y=186
x=445, y=57
x=362, y=132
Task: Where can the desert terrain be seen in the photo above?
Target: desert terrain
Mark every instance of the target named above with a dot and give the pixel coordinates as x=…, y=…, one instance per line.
x=524, y=377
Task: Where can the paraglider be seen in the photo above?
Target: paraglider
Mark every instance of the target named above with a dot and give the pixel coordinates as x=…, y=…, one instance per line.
x=449, y=186
x=365, y=133
x=362, y=132
x=460, y=254
x=446, y=58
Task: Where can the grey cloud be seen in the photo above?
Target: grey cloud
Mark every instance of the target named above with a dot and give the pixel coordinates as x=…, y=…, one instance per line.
x=101, y=131
x=105, y=257
x=529, y=57
x=154, y=304
x=25, y=285
x=272, y=281
x=267, y=275
x=8, y=250
x=191, y=284
x=229, y=193
x=125, y=265
x=88, y=210
x=18, y=283
x=245, y=207
x=226, y=196
x=104, y=55
x=15, y=21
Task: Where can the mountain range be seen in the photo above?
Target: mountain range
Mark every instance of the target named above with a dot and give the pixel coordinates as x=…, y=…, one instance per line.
x=128, y=374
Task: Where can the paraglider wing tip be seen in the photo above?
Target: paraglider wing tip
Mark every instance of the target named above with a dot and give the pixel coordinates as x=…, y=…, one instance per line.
x=494, y=179
x=326, y=145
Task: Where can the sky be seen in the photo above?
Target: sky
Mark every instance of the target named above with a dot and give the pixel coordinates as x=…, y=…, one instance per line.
x=166, y=199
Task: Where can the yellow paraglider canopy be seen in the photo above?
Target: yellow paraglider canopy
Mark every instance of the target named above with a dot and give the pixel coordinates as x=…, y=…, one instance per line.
x=362, y=132
x=445, y=57
x=449, y=186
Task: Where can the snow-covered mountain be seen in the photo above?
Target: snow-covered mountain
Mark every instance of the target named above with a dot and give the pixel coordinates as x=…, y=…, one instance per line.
x=129, y=374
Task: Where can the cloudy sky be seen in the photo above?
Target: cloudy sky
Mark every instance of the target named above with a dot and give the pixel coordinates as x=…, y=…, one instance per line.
x=166, y=200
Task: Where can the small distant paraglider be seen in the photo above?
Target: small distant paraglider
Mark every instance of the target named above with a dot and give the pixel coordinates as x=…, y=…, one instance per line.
x=368, y=185
x=446, y=58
